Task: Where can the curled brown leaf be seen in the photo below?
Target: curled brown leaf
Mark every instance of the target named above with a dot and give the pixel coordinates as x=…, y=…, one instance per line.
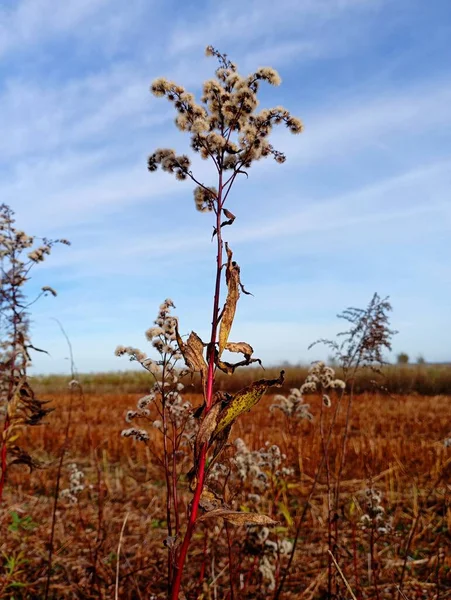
x=239, y=518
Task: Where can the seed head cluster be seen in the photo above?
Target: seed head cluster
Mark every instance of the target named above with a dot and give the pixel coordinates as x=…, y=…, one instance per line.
x=293, y=405
x=253, y=469
x=269, y=551
x=162, y=337
x=18, y=404
x=321, y=377
x=76, y=485
x=375, y=517
x=368, y=336
x=225, y=126
x=164, y=396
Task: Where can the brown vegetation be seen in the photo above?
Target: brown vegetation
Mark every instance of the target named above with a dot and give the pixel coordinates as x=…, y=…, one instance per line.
x=425, y=380
x=395, y=442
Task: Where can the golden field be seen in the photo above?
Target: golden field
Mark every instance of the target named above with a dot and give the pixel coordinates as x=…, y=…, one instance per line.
x=395, y=445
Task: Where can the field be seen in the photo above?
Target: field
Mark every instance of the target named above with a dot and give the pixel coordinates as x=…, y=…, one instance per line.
x=109, y=538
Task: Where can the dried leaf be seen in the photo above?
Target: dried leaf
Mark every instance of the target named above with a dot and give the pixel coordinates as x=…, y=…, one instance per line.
x=220, y=442
x=228, y=313
x=178, y=337
x=23, y=458
x=239, y=518
x=204, y=436
x=242, y=347
x=32, y=407
x=37, y=349
x=210, y=501
x=230, y=219
x=225, y=367
x=206, y=429
x=244, y=290
x=229, y=214
x=229, y=368
x=199, y=411
x=244, y=400
x=24, y=407
x=193, y=353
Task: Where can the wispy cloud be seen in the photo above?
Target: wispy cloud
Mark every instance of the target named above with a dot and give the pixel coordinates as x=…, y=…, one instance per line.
x=37, y=23
x=32, y=21
x=361, y=204
x=231, y=24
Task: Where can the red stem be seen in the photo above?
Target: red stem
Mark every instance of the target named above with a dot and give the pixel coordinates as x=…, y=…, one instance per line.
x=179, y=565
x=174, y=480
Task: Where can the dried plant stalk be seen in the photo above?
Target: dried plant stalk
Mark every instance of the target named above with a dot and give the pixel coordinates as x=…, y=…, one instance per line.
x=19, y=253
x=226, y=129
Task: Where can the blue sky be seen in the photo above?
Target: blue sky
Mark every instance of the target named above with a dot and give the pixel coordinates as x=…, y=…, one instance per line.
x=361, y=205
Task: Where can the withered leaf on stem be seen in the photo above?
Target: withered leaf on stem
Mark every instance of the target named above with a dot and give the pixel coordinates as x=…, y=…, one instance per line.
x=37, y=349
x=239, y=518
x=244, y=400
x=204, y=436
x=209, y=500
x=244, y=348
x=193, y=353
x=220, y=442
x=233, y=293
x=229, y=368
x=206, y=428
x=24, y=407
x=20, y=457
x=230, y=219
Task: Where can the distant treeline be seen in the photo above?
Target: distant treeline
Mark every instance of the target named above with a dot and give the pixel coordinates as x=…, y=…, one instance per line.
x=424, y=379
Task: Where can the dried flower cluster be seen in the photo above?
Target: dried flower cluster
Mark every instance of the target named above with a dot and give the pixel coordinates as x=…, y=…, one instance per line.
x=257, y=466
x=375, y=517
x=76, y=485
x=18, y=404
x=164, y=395
x=367, y=338
x=293, y=405
x=162, y=337
x=224, y=126
x=270, y=553
x=253, y=471
x=319, y=379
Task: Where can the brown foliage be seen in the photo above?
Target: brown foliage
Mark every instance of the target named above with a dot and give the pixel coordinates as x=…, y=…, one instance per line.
x=395, y=441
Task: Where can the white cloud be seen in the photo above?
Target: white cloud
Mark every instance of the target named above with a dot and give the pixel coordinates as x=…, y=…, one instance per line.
x=31, y=21
x=260, y=18
x=374, y=121
x=393, y=199
x=39, y=117
x=26, y=24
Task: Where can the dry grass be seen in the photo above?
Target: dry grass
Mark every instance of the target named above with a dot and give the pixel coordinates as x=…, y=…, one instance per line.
x=427, y=380
x=395, y=441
